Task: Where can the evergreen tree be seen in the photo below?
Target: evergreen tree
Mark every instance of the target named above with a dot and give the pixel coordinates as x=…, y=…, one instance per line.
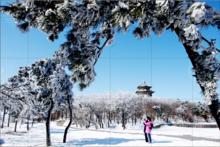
x=36, y=91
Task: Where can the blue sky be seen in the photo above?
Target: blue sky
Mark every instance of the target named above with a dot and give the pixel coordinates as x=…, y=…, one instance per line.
x=160, y=61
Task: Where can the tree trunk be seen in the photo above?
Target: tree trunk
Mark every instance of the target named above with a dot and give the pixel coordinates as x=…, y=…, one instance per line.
x=16, y=124
x=32, y=124
x=109, y=119
x=132, y=121
x=214, y=108
x=100, y=121
x=193, y=55
x=90, y=119
x=28, y=128
x=9, y=117
x=66, y=114
x=123, y=120
x=135, y=120
x=62, y=114
x=48, y=139
x=3, y=118
x=70, y=122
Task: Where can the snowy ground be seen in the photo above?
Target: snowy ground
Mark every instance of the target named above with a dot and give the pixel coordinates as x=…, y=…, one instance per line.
x=164, y=136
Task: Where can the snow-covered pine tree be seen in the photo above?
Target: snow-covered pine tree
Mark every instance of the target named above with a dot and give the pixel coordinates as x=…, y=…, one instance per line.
x=25, y=87
x=4, y=103
x=54, y=89
x=13, y=100
x=40, y=74
x=62, y=91
x=92, y=24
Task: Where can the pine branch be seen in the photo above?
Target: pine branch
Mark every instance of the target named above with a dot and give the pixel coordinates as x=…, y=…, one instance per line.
x=4, y=8
x=203, y=38
x=101, y=49
x=10, y=96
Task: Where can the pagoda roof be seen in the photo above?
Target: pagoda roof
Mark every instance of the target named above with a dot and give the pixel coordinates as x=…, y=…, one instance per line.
x=143, y=87
x=145, y=92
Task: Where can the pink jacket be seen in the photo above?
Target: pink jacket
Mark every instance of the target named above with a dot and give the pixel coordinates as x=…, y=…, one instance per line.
x=149, y=126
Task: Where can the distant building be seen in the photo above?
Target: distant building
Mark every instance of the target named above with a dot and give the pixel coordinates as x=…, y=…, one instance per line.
x=144, y=90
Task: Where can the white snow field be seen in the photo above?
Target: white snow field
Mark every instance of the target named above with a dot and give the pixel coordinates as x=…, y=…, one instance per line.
x=133, y=136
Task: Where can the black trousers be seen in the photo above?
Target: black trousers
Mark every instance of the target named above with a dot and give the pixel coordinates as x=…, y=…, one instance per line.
x=146, y=139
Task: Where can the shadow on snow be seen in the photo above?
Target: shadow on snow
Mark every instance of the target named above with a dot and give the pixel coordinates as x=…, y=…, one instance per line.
x=103, y=141
x=1, y=141
x=190, y=137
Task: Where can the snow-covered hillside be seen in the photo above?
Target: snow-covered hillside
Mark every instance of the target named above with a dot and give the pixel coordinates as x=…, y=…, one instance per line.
x=133, y=136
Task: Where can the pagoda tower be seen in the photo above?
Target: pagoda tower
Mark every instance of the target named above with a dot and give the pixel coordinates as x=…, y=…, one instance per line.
x=144, y=90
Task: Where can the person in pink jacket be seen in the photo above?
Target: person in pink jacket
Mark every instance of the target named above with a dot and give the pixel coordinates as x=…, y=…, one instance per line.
x=148, y=125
